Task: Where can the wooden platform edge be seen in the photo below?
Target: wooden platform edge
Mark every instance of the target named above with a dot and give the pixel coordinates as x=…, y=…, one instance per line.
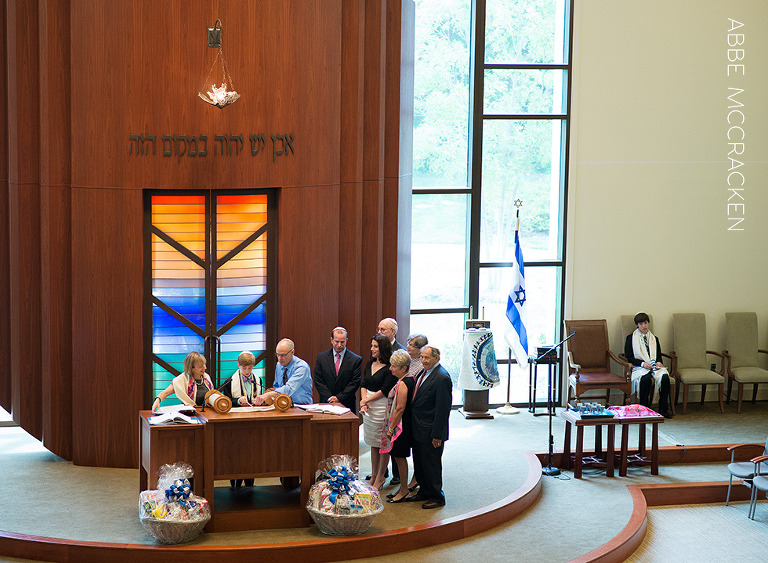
x=325, y=549
x=621, y=546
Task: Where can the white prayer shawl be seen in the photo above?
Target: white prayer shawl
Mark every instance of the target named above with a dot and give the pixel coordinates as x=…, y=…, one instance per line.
x=640, y=351
x=237, y=387
x=181, y=384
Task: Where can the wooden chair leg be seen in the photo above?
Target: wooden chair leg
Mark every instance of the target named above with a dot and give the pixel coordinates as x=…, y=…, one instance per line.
x=670, y=401
x=741, y=395
x=607, y=396
x=720, y=396
x=677, y=391
x=754, y=393
x=703, y=393
x=728, y=395
x=685, y=397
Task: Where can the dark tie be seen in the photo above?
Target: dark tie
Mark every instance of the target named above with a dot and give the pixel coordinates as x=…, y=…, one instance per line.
x=338, y=362
x=645, y=339
x=418, y=381
x=285, y=375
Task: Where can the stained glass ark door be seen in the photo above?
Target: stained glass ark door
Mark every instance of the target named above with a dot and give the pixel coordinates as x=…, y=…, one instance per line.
x=205, y=297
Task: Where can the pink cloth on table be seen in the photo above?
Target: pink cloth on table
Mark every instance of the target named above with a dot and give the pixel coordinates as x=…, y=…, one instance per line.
x=627, y=411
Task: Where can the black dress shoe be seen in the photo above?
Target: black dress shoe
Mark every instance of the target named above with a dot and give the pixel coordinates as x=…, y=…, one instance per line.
x=432, y=504
x=395, y=481
x=667, y=414
x=417, y=497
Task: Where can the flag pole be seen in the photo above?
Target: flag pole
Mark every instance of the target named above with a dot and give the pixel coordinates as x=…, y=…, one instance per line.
x=508, y=408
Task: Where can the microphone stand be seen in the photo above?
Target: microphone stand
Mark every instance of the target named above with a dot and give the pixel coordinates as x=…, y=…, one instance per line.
x=550, y=469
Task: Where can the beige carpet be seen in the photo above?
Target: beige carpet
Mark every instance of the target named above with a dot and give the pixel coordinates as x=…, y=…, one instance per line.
x=483, y=462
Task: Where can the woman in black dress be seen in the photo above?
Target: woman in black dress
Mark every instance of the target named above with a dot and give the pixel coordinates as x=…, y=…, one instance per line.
x=400, y=415
x=375, y=385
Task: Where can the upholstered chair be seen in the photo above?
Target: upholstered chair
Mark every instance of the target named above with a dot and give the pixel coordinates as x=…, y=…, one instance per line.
x=741, y=354
x=689, y=358
x=589, y=361
x=745, y=470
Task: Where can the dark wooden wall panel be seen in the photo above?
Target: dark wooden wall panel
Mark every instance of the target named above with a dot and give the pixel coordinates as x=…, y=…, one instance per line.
x=374, y=88
x=24, y=214
x=5, y=289
x=107, y=295
x=373, y=235
x=398, y=157
x=55, y=229
x=371, y=271
x=25, y=311
x=308, y=272
x=351, y=171
x=58, y=393
x=351, y=299
x=84, y=75
x=139, y=66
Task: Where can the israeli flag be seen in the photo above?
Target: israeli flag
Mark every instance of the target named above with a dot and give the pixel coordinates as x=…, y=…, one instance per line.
x=515, y=334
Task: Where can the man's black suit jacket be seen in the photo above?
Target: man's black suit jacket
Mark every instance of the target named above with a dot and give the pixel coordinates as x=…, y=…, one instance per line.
x=431, y=407
x=344, y=386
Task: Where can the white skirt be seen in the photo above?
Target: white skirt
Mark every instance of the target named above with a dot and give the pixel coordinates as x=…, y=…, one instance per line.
x=373, y=422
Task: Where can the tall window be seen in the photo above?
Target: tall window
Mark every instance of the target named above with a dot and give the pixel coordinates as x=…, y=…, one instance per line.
x=490, y=129
x=209, y=282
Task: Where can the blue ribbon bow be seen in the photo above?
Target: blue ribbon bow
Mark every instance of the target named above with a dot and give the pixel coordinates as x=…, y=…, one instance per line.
x=179, y=491
x=339, y=481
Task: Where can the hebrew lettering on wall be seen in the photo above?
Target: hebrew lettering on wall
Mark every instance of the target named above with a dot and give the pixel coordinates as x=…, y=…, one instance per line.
x=227, y=145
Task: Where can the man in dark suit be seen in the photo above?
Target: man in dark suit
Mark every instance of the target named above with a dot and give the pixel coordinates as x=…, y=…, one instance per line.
x=430, y=409
x=388, y=327
x=338, y=371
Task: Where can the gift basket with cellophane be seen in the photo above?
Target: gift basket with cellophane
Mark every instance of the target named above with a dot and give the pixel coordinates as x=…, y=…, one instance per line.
x=172, y=513
x=339, y=503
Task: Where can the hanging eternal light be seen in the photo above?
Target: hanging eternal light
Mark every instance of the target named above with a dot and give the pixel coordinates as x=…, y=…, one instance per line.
x=217, y=88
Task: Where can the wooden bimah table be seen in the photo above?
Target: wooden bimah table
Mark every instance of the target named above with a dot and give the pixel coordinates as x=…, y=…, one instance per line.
x=239, y=445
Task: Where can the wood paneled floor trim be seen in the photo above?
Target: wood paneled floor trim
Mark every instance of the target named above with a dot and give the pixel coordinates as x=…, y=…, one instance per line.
x=326, y=549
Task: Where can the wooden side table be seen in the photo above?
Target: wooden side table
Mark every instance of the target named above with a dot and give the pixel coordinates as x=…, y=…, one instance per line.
x=640, y=457
x=574, y=418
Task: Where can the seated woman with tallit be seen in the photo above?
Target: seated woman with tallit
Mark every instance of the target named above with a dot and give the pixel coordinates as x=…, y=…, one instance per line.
x=191, y=385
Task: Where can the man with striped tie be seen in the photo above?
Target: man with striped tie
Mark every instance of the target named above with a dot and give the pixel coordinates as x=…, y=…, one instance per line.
x=430, y=409
x=338, y=371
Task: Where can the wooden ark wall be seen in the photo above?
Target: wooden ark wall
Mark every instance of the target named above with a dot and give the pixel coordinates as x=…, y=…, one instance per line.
x=89, y=84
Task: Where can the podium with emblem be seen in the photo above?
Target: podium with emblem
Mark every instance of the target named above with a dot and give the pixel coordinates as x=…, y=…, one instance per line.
x=479, y=370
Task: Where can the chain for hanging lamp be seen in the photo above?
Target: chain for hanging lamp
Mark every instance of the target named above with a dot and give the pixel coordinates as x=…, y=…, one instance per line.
x=217, y=88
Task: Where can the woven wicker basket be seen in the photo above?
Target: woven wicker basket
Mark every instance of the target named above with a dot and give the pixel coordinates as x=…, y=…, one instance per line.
x=343, y=524
x=174, y=531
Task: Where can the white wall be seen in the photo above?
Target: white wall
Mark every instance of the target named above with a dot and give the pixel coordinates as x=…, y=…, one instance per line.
x=647, y=210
